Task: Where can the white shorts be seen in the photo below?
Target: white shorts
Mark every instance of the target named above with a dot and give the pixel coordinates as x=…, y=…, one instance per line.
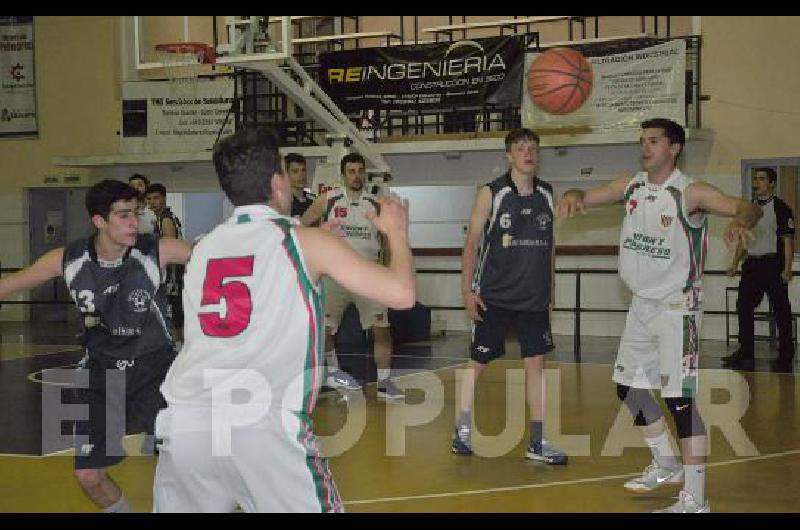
x=371, y=314
x=660, y=348
x=269, y=466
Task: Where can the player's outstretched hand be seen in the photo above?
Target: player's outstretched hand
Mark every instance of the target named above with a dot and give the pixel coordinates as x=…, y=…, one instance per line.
x=334, y=226
x=737, y=233
x=393, y=216
x=571, y=203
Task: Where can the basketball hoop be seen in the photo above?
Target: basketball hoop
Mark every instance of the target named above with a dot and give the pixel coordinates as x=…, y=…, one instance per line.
x=183, y=63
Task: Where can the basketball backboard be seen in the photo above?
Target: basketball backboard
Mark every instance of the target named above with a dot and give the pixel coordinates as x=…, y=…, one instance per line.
x=234, y=39
x=260, y=44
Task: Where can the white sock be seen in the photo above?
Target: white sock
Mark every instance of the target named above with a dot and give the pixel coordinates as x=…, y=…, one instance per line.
x=662, y=451
x=695, y=482
x=331, y=360
x=464, y=419
x=121, y=506
x=383, y=373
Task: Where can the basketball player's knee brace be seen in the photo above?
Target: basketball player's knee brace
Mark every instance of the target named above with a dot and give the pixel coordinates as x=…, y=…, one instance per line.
x=687, y=418
x=640, y=402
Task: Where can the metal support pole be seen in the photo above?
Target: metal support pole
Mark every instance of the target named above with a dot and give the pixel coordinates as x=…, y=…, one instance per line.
x=577, y=337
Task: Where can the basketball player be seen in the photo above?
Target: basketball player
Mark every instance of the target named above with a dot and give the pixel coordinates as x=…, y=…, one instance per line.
x=351, y=204
x=114, y=278
x=147, y=218
x=169, y=226
x=661, y=258
x=507, y=279
x=297, y=171
x=255, y=325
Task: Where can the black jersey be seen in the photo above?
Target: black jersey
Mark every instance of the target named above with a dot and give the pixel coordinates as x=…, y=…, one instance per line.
x=299, y=207
x=168, y=214
x=173, y=281
x=123, y=307
x=515, y=258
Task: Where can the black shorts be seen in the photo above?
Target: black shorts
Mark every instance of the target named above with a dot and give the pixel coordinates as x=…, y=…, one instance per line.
x=129, y=404
x=489, y=335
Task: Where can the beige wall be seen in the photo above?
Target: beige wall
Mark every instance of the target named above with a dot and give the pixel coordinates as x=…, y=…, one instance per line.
x=77, y=98
x=750, y=70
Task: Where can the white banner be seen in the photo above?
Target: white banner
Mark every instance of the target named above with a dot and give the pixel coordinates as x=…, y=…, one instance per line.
x=18, y=85
x=158, y=118
x=628, y=89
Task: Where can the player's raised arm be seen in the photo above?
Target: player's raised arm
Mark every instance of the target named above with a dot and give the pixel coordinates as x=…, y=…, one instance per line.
x=576, y=200
x=315, y=212
x=173, y=252
x=43, y=269
x=393, y=285
x=704, y=197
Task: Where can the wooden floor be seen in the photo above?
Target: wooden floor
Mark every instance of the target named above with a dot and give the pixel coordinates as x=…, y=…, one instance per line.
x=753, y=418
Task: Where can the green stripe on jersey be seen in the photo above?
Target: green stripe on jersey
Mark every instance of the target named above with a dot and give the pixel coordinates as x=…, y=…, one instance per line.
x=696, y=238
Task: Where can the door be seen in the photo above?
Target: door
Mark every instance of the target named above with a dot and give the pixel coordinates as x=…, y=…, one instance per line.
x=55, y=217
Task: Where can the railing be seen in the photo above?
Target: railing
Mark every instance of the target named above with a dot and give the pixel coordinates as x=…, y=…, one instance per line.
x=577, y=310
x=258, y=102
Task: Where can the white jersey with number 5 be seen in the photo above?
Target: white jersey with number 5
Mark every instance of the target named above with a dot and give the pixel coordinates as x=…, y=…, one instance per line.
x=662, y=249
x=251, y=313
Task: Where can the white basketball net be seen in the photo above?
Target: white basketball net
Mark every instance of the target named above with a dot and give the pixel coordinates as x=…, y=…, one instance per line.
x=183, y=71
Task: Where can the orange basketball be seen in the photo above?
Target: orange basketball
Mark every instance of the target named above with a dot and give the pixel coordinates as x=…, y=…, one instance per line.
x=560, y=80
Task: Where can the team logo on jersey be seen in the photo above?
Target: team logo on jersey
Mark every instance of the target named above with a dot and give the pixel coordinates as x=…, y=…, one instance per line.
x=140, y=300
x=124, y=363
x=505, y=220
x=632, y=206
x=666, y=220
x=544, y=221
x=122, y=331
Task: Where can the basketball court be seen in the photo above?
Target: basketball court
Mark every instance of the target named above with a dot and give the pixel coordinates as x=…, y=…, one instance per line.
x=396, y=458
x=180, y=83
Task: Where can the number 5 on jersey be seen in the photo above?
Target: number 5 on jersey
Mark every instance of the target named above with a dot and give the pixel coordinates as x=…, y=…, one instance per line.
x=238, y=302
